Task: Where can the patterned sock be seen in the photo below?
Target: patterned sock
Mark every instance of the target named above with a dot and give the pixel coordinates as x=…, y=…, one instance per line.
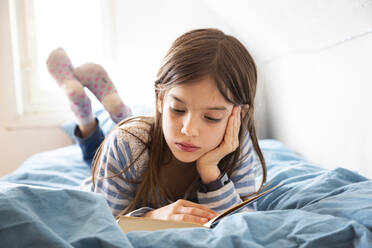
x=96, y=79
x=60, y=67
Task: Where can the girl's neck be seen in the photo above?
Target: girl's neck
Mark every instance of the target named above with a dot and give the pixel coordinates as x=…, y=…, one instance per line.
x=177, y=176
x=169, y=159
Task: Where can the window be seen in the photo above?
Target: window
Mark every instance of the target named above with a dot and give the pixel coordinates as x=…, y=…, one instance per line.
x=129, y=38
x=42, y=26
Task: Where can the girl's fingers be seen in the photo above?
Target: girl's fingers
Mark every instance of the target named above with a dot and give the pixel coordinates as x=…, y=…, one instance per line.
x=189, y=218
x=232, y=131
x=196, y=212
x=185, y=203
x=237, y=126
x=230, y=128
x=231, y=137
x=239, y=119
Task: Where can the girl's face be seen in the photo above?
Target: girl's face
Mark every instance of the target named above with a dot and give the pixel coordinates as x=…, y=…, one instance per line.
x=194, y=118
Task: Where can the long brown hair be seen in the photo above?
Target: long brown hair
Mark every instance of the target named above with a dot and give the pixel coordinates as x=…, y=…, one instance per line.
x=192, y=56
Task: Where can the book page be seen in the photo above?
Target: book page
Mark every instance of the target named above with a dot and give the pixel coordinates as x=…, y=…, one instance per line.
x=129, y=224
x=238, y=206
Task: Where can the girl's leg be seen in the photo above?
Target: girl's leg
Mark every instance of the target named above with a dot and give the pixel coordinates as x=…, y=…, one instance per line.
x=60, y=67
x=87, y=133
x=96, y=79
x=89, y=144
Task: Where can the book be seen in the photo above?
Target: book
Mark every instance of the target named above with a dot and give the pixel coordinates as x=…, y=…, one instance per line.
x=129, y=223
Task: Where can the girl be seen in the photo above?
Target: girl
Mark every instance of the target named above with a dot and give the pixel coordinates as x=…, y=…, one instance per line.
x=196, y=156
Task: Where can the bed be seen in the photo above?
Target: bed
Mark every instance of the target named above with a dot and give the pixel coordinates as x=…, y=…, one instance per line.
x=41, y=207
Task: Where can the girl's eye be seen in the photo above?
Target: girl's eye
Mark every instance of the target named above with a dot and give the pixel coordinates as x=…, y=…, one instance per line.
x=178, y=111
x=212, y=119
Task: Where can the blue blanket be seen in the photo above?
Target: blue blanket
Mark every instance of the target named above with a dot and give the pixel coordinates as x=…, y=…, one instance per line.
x=39, y=207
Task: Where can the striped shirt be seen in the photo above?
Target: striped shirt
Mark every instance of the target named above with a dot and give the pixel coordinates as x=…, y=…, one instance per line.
x=122, y=147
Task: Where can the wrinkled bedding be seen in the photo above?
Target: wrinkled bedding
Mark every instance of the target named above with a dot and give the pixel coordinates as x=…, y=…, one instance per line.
x=40, y=207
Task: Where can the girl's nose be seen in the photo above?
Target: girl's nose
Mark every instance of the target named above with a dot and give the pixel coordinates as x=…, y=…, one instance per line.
x=190, y=126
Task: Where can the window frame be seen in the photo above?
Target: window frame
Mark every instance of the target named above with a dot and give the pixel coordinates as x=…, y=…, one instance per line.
x=27, y=106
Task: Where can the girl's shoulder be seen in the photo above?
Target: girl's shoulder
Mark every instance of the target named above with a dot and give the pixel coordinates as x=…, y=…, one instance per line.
x=132, y=138
x=136, y=128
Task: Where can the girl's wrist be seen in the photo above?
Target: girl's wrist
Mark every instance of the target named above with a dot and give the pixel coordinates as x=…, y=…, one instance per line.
x=208, y=173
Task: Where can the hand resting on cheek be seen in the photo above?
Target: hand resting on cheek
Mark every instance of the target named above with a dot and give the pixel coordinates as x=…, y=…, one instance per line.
x=207, y=164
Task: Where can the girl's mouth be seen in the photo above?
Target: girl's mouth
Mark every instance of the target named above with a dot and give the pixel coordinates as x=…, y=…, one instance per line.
x=187, y=147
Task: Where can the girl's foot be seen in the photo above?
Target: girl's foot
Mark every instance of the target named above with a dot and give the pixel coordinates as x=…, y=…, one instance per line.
x=60, y=67
x=96, y=79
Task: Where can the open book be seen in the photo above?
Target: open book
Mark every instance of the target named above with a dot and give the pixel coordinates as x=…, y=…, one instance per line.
x=128, y=223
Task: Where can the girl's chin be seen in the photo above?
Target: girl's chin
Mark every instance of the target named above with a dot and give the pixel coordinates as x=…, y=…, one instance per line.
x=185, y=157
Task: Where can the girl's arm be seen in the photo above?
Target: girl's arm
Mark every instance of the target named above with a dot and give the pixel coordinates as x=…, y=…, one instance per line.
x=117, y=153
x=222, y=192
x=113, y=177
x=226, y=192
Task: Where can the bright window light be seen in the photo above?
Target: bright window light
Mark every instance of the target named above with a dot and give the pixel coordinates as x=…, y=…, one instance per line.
x=74, y=24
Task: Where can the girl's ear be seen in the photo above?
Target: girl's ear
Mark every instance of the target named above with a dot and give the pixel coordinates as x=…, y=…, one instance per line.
x=244, y=110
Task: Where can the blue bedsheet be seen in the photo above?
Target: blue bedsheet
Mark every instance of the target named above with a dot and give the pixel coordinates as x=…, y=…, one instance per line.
x=39, y=207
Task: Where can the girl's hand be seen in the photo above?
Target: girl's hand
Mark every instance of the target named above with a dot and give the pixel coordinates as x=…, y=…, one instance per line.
x=183, y=210
x=207, y=164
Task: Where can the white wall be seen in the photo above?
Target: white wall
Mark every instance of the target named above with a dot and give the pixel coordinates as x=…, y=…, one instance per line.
x=315, y=59
x=20, y=137
x=314, y=66
x=143, y=30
